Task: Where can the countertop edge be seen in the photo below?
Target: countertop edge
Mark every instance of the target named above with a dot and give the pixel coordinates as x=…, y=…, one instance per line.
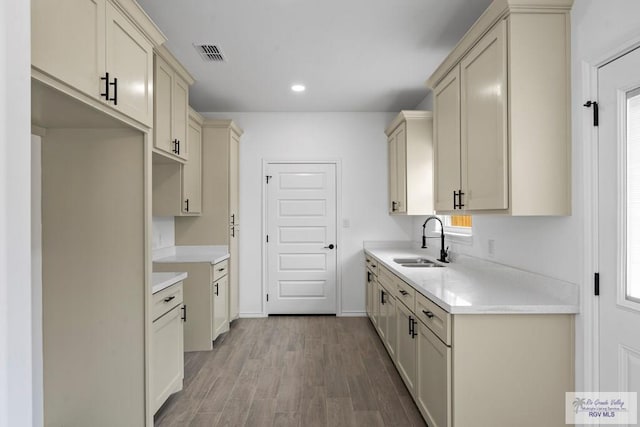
x=169, y=281
x=481, y=309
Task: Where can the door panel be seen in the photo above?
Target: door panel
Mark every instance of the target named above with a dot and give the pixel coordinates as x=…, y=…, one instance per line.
x=68, y=42
x=618, y=223
x=446, y=144
x=163, y=125
x=130, y=60
x=301, y=223
x=401, y=168
x=483, y=82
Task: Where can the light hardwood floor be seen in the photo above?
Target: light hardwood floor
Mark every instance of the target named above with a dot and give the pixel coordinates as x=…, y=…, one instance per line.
x=292, y=371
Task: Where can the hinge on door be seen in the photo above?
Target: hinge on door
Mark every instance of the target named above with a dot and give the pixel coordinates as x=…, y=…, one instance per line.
x=596, y=284
x=596, y=113
x=268, y=177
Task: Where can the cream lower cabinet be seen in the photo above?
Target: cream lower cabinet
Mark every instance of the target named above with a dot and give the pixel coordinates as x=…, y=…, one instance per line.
x=201, y=327
x=406, y=351
x=432, y=391
x=92, y=46
x=220, y=303
x=234, y=272
x=502, y=125
x=167, y=345
x=469, y=370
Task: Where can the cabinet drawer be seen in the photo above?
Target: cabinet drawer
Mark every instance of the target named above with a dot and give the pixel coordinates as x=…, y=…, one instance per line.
x=387, y=279
x=406, y=294
x=220, y=269
x=436, y=319
x=166, y=299
x=372, y=264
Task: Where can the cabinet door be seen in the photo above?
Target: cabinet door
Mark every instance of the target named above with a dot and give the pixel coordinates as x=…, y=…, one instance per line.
x=393, y=173
x=129, y=58
x=483, y=78
x=434, y=378
x=192, y=172
x=406, y=347
x=67, y=42
x=401, y=168
x=446, y=140
x=380, y=311
x=391, y=332
x=234, y=178
x=219, y=295
x=167, y=356
x=234, y=271
x=180, y=116
x=367, y=292
x=162, y=124
x=375, y=306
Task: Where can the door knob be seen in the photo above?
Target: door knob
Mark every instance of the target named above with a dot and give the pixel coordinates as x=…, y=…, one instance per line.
x=331, y=246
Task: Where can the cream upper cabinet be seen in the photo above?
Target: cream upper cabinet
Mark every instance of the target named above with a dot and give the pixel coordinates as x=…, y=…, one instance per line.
x=171, y=106
x=483, y=114
x=192, y=169
x=504, y=95
x=130, y=67
x=446, y=143
x=68, y=42
x=94, y=47
x=410, y=153
x=234, y=179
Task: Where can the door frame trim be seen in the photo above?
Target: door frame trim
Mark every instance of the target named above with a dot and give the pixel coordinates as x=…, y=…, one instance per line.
x=264, y=276
x=589, y=309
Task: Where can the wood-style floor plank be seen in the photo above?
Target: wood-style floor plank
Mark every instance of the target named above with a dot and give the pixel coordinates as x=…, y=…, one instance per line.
x=292, y=371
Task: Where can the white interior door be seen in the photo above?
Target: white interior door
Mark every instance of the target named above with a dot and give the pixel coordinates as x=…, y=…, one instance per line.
x=619, y=223
x=301, y=247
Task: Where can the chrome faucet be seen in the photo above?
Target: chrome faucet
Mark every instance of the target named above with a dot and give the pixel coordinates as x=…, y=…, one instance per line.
x=443, y=251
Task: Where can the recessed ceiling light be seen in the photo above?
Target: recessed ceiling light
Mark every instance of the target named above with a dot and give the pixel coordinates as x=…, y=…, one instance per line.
x=298, y=88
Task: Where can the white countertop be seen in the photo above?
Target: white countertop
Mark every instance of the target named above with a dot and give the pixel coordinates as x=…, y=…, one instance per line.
x=160, y=281
x=210, y=254
x=473, y=286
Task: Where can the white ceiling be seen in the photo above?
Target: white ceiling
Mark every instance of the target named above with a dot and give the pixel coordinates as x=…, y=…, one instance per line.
x=353, y=55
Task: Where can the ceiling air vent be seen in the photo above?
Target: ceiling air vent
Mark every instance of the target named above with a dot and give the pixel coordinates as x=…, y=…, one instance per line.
x=209, y=52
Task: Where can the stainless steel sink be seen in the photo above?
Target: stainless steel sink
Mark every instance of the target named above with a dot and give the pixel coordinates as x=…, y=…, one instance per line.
x=416, y=262
x=413, y=261
x=424, y=265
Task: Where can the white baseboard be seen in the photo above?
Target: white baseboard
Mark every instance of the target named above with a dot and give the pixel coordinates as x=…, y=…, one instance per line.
x=353, y=314
x=251, y=315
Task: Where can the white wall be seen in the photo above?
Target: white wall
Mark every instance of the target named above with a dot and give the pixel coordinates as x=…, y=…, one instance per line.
x=426, y=103
x=358, y=140
x=15, y=221
x=163, y=232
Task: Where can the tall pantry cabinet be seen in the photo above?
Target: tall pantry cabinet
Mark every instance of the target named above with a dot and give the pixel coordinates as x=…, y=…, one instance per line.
x=219, y=223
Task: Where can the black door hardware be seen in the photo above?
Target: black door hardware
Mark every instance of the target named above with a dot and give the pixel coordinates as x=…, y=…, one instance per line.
x=331, y=246
x=596, y=113
x=381, y=297
x=187, y=203
x=167, y=299
x=596, y=284
x=393, y=206
x=216, y=289
x=184, y=313
x=428, y=314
